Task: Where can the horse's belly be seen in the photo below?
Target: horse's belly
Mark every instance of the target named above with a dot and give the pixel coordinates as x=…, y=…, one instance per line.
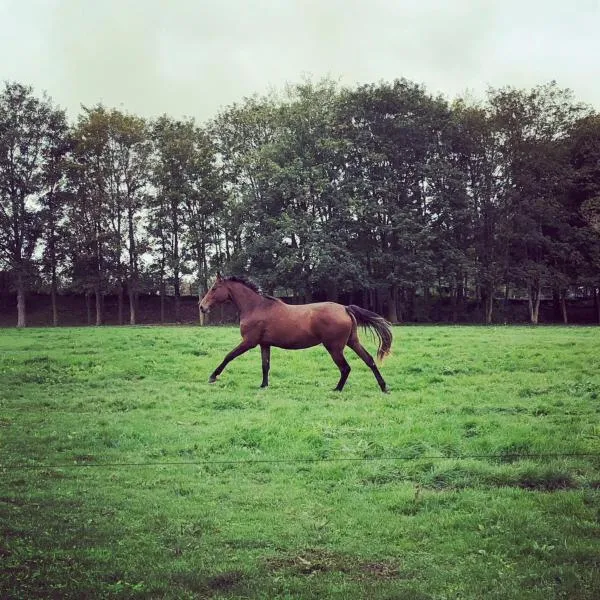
x=293, y=338
x=296, y=344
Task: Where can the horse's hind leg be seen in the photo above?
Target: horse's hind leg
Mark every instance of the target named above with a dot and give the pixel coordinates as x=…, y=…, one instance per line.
x=265, y=352
x=368, y=359
x=337, y=354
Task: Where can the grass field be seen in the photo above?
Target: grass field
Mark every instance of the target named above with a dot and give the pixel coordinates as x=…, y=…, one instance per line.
x=119, y=475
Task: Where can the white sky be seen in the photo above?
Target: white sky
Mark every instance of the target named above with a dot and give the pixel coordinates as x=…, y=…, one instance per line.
x=193, y=57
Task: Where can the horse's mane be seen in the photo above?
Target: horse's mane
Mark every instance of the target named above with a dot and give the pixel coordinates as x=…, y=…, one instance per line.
x=249, y=284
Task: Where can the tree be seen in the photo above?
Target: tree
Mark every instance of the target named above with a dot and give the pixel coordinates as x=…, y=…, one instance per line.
x=55, y=232
x=203, y=205
x=453, y=206
x=112, y=176
x=583, y=199
x=29, y=130
x=95, y=254
x=182, y=213
x=127, y=164
x=242, y=135
x=392, y=132
x=476, y=152
x=317, y=220
x=532, y=126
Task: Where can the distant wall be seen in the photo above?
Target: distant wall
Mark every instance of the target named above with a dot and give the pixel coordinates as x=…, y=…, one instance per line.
x=73, y=311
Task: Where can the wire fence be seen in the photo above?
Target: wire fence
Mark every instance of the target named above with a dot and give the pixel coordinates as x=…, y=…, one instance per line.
x=78, y=463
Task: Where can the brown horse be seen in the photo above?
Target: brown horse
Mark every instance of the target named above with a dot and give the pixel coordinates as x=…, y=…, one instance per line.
x=266, y=321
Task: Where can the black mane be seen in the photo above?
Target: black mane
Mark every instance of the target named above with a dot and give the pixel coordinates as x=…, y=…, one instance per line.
x=244, y=281
x=249, y=284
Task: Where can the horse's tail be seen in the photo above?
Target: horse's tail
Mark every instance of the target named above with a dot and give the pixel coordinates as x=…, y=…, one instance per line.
x=377, y=324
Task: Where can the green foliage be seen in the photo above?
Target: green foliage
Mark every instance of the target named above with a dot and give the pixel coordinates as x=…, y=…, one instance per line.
x=389, y=510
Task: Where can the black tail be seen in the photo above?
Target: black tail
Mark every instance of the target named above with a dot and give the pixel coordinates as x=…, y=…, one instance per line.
x=377, y=324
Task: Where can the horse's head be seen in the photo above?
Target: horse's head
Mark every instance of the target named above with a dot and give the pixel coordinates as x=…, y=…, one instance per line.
x=218, y=293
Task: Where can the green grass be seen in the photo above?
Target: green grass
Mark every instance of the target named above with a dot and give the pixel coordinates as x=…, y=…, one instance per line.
x=501, y=523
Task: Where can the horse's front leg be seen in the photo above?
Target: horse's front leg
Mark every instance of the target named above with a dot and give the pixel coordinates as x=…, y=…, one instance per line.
x=237, y=351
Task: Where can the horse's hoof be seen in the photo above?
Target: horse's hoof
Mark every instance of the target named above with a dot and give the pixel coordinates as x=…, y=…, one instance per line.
x=212, y=379
x=264, y=385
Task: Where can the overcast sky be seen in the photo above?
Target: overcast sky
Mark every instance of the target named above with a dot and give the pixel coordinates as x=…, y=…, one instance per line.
x=193, y=57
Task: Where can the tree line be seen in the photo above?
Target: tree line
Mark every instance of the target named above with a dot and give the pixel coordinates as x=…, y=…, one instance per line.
x=383, y=191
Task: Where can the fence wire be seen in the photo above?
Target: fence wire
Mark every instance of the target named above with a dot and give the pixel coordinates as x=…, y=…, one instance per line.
x=77, y=464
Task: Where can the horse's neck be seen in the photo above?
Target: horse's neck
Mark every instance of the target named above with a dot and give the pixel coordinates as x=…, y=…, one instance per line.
x=244, y=298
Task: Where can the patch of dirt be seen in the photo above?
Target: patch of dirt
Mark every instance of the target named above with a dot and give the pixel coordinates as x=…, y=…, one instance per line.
x=552, y=483
x=380, y=570
x=225, y=581
x=313, y=561
x=13, y=501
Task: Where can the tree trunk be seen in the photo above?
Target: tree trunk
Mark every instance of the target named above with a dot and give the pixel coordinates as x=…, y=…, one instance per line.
x=489, y=308
x=98, y=305
x=536, y=311
x=204, y=278
x=307, y=296
x=534, y=302
x=120, y=303
x=54, y=304
x=455, y=305
x=563, y=306
x=227, y=252
x=456, y=300
x=176, y=266
x=530, y=305
x=21, y=311
x=392, y=301
x=132, y=303
x=410, y=295
x=331, y=293
x=132, y=279
x=556, y=303
x=88, y=307
x=162, y=301
x=377, y=303
x=364, y=298
x=597, y=303
x=176, y=285
x=488, y=304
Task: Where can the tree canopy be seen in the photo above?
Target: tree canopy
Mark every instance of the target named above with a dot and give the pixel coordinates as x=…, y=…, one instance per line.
x=382, y=192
